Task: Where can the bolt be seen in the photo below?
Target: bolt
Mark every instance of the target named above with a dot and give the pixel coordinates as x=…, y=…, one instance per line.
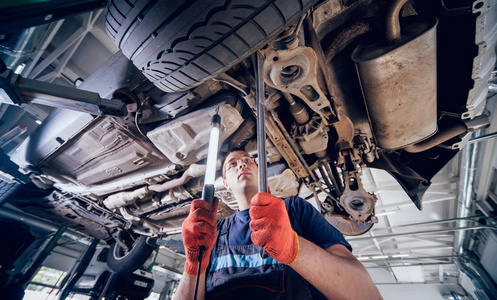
x=180, y=155
x=48, y=17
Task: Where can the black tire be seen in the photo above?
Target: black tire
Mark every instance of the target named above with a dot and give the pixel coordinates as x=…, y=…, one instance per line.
x=124, y=263
x=181, y=44
x=7, y=189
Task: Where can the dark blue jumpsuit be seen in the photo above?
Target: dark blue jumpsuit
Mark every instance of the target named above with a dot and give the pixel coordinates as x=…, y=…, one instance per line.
x=237, y=270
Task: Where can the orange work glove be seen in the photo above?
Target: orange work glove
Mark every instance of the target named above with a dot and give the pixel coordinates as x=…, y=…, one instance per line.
x=199, y=229
x=271, y=228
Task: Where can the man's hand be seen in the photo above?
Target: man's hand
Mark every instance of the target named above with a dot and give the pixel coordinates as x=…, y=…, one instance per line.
x=271, y=228
x=199, y=230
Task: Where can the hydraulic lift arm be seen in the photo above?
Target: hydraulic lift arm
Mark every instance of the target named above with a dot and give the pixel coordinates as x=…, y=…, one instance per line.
x=16, y=90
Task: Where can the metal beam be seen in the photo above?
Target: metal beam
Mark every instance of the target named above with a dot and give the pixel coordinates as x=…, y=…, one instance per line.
x=403, y=246
x=401, y=251
x=409, y=202
x=483, y=137
x=87, y=19
x=34, y=222
x=415, y=283
x=411, y=265
x=57, y=52
x=457, y=229
x=88, y=23
x=61, y=64
x=407, y=260
x=366, y=251
x=35, y=57
x=43, y=254
x=469, y=218
x=367, y=247
x=449, y=239
x=47, y=77
x=395, y=186
x=100, y=35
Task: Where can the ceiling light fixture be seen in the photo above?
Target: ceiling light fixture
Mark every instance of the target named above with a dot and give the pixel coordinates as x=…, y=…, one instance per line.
x=384, y=213
x=19, y=68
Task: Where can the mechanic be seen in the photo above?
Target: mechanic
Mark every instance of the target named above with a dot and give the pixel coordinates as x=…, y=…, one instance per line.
x=309, y=258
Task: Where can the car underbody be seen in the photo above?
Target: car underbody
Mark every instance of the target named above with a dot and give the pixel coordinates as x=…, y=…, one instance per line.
x=347, y=87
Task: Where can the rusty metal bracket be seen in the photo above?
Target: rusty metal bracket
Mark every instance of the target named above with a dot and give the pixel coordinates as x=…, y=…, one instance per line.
x=296, y=71
x=279, y=141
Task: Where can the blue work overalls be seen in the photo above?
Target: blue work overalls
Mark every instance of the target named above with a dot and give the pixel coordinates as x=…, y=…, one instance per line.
x=239, y=272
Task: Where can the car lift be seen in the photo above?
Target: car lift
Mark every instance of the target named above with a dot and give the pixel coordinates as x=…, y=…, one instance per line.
x=17, y=90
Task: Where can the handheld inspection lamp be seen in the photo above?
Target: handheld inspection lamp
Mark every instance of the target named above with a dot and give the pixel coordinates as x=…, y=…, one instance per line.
x=210, y=171
x=210, y=177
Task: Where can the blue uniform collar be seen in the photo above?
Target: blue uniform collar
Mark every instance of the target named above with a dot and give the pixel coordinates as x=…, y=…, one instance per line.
x=243, y=215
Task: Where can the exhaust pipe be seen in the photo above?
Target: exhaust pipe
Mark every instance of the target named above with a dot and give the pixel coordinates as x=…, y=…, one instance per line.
x=446, y=134
x=123, y=199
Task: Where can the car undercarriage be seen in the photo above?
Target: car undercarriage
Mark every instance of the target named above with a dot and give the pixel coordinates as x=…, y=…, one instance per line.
x=350, y=84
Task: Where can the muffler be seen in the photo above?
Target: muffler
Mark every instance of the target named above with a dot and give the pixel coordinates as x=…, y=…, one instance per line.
x=399, y=80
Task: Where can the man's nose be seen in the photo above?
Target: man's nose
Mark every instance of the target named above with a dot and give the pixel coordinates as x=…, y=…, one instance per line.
x=241, y=164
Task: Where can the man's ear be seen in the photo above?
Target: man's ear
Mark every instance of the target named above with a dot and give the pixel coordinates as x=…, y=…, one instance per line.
x=226, y=185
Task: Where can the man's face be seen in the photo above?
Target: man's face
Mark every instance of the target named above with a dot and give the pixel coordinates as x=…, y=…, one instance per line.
x=241, y=171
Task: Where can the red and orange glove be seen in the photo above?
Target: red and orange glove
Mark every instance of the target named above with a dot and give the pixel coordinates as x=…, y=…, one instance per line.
x=199, y=230
x=271, y=228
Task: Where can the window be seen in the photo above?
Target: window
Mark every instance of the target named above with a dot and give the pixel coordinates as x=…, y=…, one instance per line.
x=44, y=285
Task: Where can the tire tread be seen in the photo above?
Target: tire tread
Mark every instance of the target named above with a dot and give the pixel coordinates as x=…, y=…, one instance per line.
x=7, y=189
x=133, y=259
x=171, y=51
